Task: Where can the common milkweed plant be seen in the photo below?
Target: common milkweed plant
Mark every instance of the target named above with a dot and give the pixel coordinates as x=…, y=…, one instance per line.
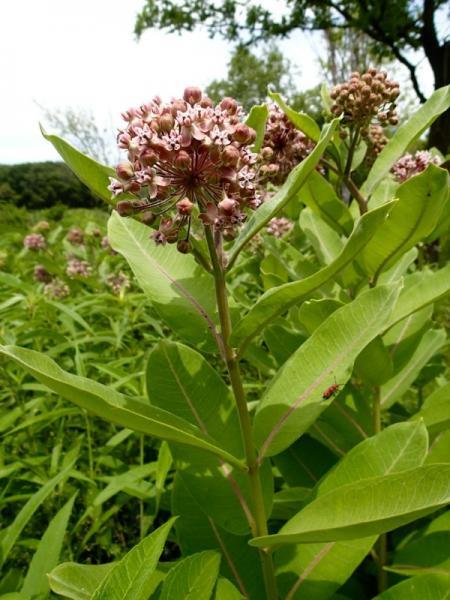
x=288, y=264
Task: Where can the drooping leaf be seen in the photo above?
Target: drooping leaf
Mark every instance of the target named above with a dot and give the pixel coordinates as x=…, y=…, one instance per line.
x=278, y=300
x=317, y=570
x=368, y=507
x=178, y=288
x=89, y=171
x=78, y=582
x=420, y=203
x=131, y=577
x=286, y=193
x=294, y=398
x=193, y=578
x=256, y=119
x=438, y=103
x=110, y=404
x=392, y=390
x=47, y=554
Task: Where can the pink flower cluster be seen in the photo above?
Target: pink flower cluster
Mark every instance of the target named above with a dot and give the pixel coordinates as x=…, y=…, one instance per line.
x=279, y=226
x=284, y=147
x=75, y=236
x=56, y=289
x=118, y=282
x=41, y=274
x=34, y=241
x=409, y=165
x=183, y=153
x=78, y=268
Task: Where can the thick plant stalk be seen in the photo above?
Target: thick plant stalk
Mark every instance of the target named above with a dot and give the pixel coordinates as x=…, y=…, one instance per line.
x=382, y=540
x=253, y=467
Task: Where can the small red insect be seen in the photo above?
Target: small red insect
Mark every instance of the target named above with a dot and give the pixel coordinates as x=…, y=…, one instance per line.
x=331, y=391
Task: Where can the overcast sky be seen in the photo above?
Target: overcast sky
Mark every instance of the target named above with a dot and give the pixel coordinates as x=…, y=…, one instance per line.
x=83, y=54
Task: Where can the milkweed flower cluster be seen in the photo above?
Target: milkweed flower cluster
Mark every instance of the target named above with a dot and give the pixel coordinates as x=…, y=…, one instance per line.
x=409, y=165
x=284, y=147
x=75, y=236
x=279, y=226
x=41, y=274
x=56, y=289
x=78, y=268
x=365, y=98
x=34, y=241
x=118, y=282
x=186, y=153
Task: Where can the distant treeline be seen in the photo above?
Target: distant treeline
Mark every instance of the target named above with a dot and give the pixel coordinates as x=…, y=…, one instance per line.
x=43, y=185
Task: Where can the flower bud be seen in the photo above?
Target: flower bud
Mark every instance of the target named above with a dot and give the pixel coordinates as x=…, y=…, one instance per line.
x=125, y=208
x=183, y=160
x=125, y=170
x=227, y=206
x=192, y=94
x=166, y=122
x=229, y=104
x=148, y=157
x=183, y=246
x=206, y=102
x=244, y=134
x=148, y=217
x=185, y=207
x=230, y=156
x=267, y=153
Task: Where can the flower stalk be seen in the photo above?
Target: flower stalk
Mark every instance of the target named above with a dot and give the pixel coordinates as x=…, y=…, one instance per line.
x=251, y=458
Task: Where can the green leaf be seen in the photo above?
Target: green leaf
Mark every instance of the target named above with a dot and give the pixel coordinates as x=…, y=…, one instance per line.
x=47, y=554
x=111, y=405
x=256, y=119
x=326, y=242
x=77, y=582
x=428, y=553
x=89, y=171
x=296, y=179
x=368, y=507
x=420, y=203
x=276, y=301
x=315, y=571
x=438, y=103
x=423, y=587
x=293, y=400
x=319, y=195
x=182, y=381
x=225, y=590
x=393, y=390
x=179, y=289
x=193, y=578
x=374, y=364
x=131, y=578
x=12, y=533
x=301, y=120
x=435, y=411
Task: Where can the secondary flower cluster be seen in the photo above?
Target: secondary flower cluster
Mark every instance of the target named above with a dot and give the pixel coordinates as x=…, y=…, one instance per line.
x=279, y=226
x=118, y=282
x=366, y=97
x=409, y=165
x=183, y=153
x=284, y=147
x=34, y=241
x=78, y=268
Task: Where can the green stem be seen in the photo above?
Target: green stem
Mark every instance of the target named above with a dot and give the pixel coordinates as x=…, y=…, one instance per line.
x=253, y=467
x=89, y=444
x=141, y=502
x=382, y=540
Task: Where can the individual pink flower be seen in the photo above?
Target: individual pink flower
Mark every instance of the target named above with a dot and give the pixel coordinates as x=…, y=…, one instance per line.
x=34, y=241
x=78, y=268
x=409, y=165
x=187, y=149
x=279, y=226
x=284, y=147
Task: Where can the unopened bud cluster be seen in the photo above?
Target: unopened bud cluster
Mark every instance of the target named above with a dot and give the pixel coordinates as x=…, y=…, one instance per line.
x=283, y=147
x=409, y=165
x=279, y=226
x=376, y=141
x=364, y=98
x=76, y=236
x=118, y=282
x=186, y=153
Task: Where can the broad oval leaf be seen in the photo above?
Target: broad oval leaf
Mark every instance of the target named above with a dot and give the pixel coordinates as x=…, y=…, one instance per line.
x=256, y=119
x=179, y=289
x=368, y=507
x=293, y=400
x=131, y=577
x=435, y=410
x=420, y=203
x=193, y=578
x=423, y=587
x=438, y=103
x=111, y=405
x=277, y=300
x=296, y=179
x=76, y=581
